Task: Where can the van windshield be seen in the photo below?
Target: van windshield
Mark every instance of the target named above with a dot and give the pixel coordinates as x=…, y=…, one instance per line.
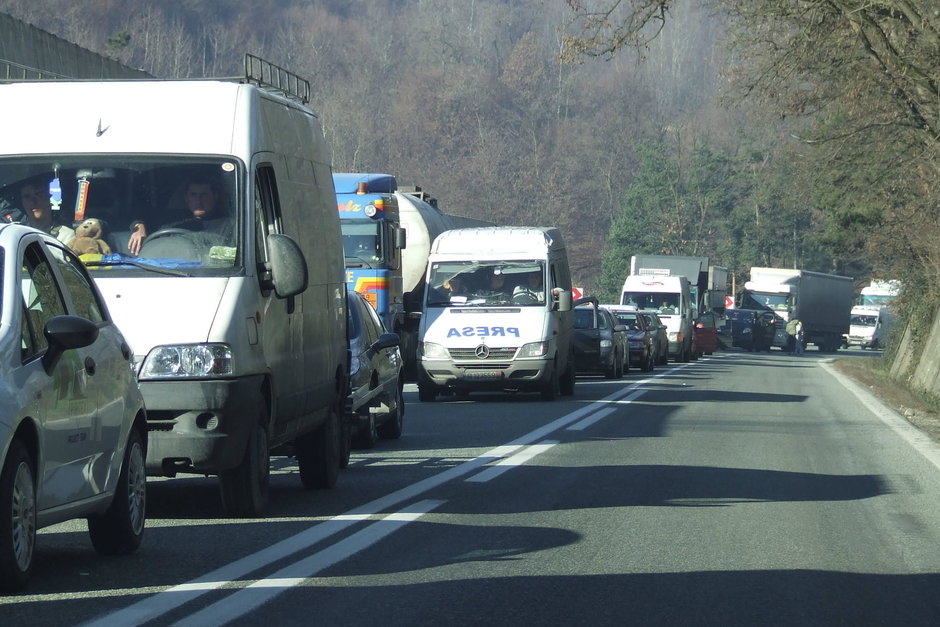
x=663, y=303
x=486, y=283
x=183, y=209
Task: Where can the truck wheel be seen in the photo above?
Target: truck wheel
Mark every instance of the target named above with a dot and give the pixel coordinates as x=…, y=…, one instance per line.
x=391, y=429
x=319, y=452
x=120, y=529
x=245, y=487
x=17, y=517
x=552, y=387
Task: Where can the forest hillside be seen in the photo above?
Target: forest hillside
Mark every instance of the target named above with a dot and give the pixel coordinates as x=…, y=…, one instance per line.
x=655, y=150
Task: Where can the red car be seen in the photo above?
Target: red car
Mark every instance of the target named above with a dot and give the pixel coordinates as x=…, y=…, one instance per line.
x=705, y=335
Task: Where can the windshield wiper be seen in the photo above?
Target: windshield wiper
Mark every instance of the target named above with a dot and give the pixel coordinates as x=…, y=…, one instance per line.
x=142, y=266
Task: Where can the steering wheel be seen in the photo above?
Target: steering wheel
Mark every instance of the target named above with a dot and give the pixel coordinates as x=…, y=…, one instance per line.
x=164, y=233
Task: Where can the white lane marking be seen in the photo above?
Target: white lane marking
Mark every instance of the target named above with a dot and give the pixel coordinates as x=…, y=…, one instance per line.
x=587, y=422
x=512, y=462
x=172, y=598
x=919, y=441
x=264, y=590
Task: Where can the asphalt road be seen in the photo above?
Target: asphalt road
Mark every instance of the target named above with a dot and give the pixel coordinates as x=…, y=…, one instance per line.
x=741, y=489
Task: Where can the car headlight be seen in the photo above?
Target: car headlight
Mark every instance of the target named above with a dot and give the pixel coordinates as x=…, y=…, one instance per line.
x=673, y=337
x=533, y=350
x=430, y=350
x=197, y=361
x=354, y=365
x=606, y=343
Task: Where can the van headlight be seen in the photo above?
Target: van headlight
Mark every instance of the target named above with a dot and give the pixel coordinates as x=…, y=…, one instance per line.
x=430, y=350
x=183, y=361
x=533, y=350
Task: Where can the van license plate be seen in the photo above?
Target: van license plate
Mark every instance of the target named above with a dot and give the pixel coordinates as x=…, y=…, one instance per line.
x=483, y=375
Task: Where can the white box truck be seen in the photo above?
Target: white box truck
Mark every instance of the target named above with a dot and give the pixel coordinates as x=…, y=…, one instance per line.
x=670, y=297
x=235, y=305
x=497, y=313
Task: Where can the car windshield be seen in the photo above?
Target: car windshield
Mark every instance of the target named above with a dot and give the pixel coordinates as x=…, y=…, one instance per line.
x=486, y=283
x=185, y=208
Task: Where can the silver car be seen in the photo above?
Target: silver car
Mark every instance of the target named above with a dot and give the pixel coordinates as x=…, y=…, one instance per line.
x=73, y=431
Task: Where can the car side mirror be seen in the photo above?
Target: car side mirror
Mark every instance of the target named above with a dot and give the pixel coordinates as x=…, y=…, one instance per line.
x=563, y=301
x=386, y=340
x=288, y=266
x=64, y=333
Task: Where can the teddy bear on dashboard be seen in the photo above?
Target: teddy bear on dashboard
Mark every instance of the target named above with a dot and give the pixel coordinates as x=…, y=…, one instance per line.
x=89, y=238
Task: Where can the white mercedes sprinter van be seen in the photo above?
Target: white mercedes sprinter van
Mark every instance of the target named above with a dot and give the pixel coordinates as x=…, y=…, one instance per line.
x=668, y=296
x=497, y=313
x=232, y=296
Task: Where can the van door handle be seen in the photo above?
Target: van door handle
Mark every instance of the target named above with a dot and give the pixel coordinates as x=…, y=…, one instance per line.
x=90, y=366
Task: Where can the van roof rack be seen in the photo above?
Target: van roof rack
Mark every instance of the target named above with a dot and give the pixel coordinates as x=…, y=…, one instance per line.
x=266, y=74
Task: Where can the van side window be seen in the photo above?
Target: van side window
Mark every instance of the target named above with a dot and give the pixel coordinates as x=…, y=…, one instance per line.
x=267, y=212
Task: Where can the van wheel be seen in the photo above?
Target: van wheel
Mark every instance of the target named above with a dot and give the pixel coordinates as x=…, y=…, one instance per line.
x=568, y=379
x=17, y=518
x=245, y=487
x=391, y=428
x=120, y=529
x=318, y=453
x=345, y=436
x=552, y=387
x=427, y=391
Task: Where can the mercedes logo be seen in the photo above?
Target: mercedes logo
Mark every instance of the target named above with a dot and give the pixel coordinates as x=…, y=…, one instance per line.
x=482, y=351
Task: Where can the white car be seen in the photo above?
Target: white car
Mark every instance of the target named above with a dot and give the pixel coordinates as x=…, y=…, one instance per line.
x=73, y=431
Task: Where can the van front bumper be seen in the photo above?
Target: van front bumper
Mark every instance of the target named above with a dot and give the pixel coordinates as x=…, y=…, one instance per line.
x=199, y=426
x=522, y=374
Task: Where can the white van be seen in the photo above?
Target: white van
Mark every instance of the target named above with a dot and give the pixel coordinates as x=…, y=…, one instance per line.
x=497, y=313
x=235, y=305
x=668, y=296
x=869, y=327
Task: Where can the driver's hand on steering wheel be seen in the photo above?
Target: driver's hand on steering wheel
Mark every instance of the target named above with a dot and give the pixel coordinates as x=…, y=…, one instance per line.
x=137, y=238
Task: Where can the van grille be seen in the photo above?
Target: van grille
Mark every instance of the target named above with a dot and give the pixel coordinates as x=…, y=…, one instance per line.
x=495, y=354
